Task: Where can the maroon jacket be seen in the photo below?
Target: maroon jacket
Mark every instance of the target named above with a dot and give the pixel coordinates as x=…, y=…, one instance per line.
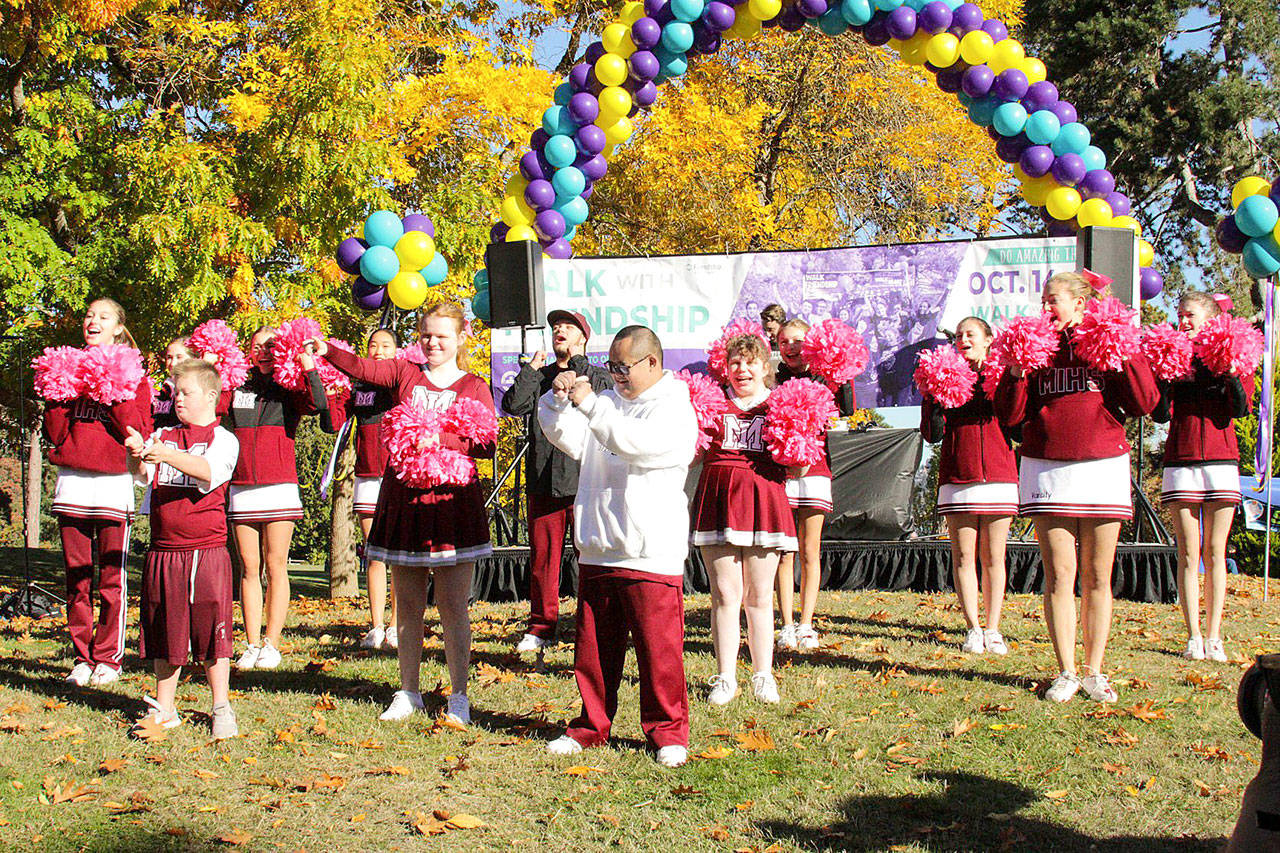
x=89, y=435
x=365, y=404
x=1071, y=412
x=1200, y=412
x=975, y=447
x=264, y=418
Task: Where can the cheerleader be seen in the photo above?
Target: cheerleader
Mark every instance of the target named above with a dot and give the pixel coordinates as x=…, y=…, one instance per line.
x=977, y=490
x=429, y=534
x=1074, y=478
x=742, y=524
x=93, y=501
x=810, y=500
x=265, y=501
x=1201, y=481
x=162, y=406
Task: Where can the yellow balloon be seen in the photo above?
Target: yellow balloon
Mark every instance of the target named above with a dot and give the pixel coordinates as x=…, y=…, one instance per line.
x=1094, y=211
x=914, y=50
x=1275, y=233
x=521, y=232
x=1036, y=190
x=1127, y=222
x=408, y=290
x=616, y=37
x=943, y=50
x=515, y=211
x=415, y=250
x=631, y=12
x=1034, y=69
x=764, y=10
x=1146, y=253
x=1062, y=202
x=976, y=47
x=1006, y=54
x=1022, y=176
x=611, y=70
x=615, y=102
x=609, y=151
x=619, y=131
x=745, y=26
x=1245, y=187
x=516, y=185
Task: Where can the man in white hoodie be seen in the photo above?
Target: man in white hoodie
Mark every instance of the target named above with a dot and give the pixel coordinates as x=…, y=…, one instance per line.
x=631, y=528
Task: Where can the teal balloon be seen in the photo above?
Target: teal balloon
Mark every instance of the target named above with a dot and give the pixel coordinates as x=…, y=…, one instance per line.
x=1093, y=158
x=1072, y=138
x=675, y=67
x=379, y=264
x=982, y=111
x=1257, y=216
x=480, y=305
x=574, y=210
x=832, y=22
x=560, y=151
x=857, y=12
x=887, y=5
x=383, y=228
x=481, y=280
x=1261, y=257
x=1042, y=127
x=556, y=120
x=570, y=232
x=954, y=4
x=687, y=10
x=916, y=5
x=1009, y=118
x=568, y=182
x=563, y=93
x=436, y=271
x=677, y=37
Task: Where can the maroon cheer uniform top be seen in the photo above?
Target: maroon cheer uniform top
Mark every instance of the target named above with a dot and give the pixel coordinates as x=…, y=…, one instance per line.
x=365, y=405
x=975, y=447
x=1201, y=412
x=441, y=526
x=88, y=435
x=741, y=498
x=264, y=417
x=189, y=514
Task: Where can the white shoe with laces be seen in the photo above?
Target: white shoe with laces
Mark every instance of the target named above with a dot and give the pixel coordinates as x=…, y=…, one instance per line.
x=530, y=643
x=787, y=638
x=807, y=639
x=564, y=745
x=722, y=690
x=156, y=716
x=1063, y=687
x=1098, y=688
x=269, y=657
x=1214, y=650
x=80, y=674
x=404, y=704
x=390, y=639
x=974, y=643
x=103, y=675
x=995, y=643
x=373, y=638
x=673, y=756
x=249, y=659
x=458, y=709
x=765, y=688
x=1195, y=649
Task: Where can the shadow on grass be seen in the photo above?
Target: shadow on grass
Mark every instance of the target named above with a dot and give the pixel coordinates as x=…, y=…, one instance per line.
x=123, y=836
x=960, y=818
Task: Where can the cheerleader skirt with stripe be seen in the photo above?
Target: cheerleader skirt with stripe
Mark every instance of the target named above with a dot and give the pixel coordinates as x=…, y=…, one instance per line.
x=1212, y=482
x=366, y=497
x=1090, y=488
x=736, y=506
x=425, y=528
x=93, y=495
x=978, y=499
x=259, y=504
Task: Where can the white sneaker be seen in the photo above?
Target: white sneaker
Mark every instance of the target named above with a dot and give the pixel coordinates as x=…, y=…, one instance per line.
x=249, y=659
x=1214, y=650
x=389, y=639
x=1098, y=688
x=995, y=643
x=530, y=643
x=223, y=723
x=673, y=755
x=458, y=709
x=1063, y=687
x=974, y=643
x=722, y=690
x=1195, y=649
x=806, y=638
x=564, y=745
x=403, y=705
x=103, y=675
x=80, y=674
x=157, y=716
x=269, y=657
x=765, y=688
x=373, y=638
x=787, y=638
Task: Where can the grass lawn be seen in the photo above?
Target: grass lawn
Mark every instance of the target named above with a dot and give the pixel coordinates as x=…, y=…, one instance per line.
x=887, y=739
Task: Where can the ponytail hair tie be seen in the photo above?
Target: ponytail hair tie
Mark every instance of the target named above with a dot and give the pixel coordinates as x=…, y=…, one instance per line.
x=1097, y=281
x=1224, y=302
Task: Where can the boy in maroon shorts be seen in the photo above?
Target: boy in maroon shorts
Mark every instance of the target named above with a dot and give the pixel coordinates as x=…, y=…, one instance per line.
x=187, y=577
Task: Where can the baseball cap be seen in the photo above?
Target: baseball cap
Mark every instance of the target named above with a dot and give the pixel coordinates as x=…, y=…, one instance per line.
x=577, y=319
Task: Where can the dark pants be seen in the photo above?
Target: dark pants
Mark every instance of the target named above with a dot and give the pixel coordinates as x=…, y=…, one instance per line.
x=549, y=519
x=103, y=641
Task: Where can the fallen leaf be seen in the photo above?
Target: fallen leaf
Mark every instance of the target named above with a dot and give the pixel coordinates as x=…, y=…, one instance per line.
x=1146, y=711
x=685, y=791
x=756, y=740
x=325, y=703
x=716, y=752
x=960, y=727
x=326, y=665
x=742, y=807
x=1202, y=788
x=716, y=833
x=201, y=773
x=1117, y=769
x=612, y=820
x=149, y=730
x=54, y=792
x=393, y=770
x=583, y=770
x=357, y=818
x=464, y=821
x=111, y=765
x=1056, y=795
x=235, y=837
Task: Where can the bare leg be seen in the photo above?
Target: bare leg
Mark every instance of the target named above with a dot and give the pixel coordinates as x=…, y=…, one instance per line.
x=1186, y=531
x=218, y=673
x=453, y=598
x=376, y=580
x=993, y=538
x=724, y=567
x=786, y=583
x=962, y=528
x=1098, y=539
x=167, y=676
x=809, y=523
x=1217, y=526
x=277, y=535
x=411, y=586
x=1057, y=538
x=760, y=566
x=249, y=549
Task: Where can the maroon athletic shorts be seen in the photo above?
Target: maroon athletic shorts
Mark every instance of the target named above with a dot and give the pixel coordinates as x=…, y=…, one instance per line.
x=186, y=605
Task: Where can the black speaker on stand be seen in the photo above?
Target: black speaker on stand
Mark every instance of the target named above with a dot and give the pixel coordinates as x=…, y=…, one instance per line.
x=516, y=296
x=1112, y=252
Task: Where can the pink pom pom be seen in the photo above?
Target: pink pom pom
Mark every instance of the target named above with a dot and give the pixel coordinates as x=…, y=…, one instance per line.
x=468, y=418
x=835, y=351
x=288, y=343
x=717, y=363
x=405, y=425
x=333, y=378
x=1108, y=334
x=798, y=414
x=1225, y=343
x=709, y=404
x=1028, y=342
x=1168, y=350
x=57, y=373
x=111, y=373
x=944, y=375
x=993, y=368
x=412, y=354
x=216, y=337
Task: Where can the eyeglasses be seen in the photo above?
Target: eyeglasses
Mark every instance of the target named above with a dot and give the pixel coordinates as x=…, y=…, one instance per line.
x=621, y=368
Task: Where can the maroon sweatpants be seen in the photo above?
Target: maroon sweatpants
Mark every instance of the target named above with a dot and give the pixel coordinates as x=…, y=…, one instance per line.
x=615, y=603
x=102, y=642
x=549, y=520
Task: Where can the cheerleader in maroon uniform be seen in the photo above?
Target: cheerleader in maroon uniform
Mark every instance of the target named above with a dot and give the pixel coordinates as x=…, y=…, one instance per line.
x=742, y=524
x=162, y=415
x=93, y=502
x=1074, y=478
x=429, y=534
x=977, y=490
x=1201, y=480
x=265, y=501
x=810, y=499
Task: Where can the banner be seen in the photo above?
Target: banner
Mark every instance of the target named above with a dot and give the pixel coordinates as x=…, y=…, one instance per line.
x=1253, y=505
x=898, y=297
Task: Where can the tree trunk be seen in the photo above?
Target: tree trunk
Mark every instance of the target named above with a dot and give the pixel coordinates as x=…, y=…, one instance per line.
x=344, y=576
x=35, y=475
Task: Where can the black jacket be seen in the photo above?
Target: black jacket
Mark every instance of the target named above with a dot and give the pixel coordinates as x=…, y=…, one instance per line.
x=548, y=471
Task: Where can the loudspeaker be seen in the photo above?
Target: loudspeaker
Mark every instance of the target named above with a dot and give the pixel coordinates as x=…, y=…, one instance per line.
x=516, y=296
x=1112, y=252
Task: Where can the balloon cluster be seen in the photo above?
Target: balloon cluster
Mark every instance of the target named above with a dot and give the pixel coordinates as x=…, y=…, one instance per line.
x=480, y=302
x=395, y=258
x=972, y=56
x=1253, y=228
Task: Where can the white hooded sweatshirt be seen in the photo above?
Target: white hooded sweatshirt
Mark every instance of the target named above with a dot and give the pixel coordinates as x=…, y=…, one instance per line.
x=631, y=511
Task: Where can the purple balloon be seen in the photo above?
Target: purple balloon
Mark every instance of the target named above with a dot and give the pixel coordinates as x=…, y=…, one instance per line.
x=876, y=32
x=645, y=95
x=419, y=222
x=1119, y=204
x=349, y=253
x=651, y=7
x=902, y=23
x=587, y=191
x=993, y=133
x=595, y=50
x=549, y=225
x=644, y=65
x=705, y=41
x=367, y=295
x=533, y=165
x=664, y=15
x=977, y=81
x=540, y=194
x=1274, y=194
x=578, y=76
x=584, y=108
x=498, y=232
x=1097, y=183
x=812, y=8
x=718, y=16
x=559, y=249
x=950, y=80
x=790, y=19
x=1036, y=161
x=646, y=32
x=996, y=29
x=1040, y=96
x=590, y=139
x=538, y=139
x=1150, y=283
x=1010, y=148
x=935, y=17
x=595, y=168
x=1069, y=169
x=1229, y=236
x=968, y=17
x=1059, y=228
x=1010, y=85
x=1065, y=112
